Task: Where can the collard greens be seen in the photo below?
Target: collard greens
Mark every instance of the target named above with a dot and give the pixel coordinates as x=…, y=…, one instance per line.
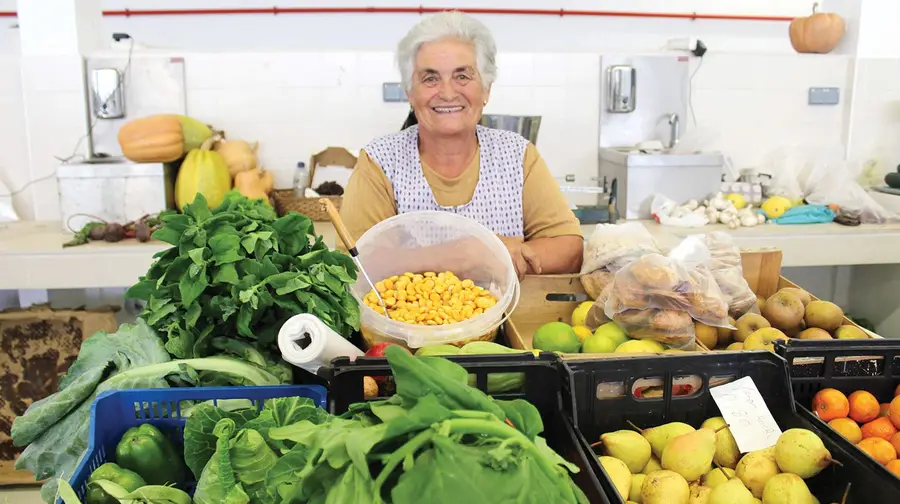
x=235, y=274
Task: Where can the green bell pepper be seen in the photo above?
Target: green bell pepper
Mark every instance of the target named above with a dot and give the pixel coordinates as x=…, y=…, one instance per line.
x=148, y=452
x=129, y=480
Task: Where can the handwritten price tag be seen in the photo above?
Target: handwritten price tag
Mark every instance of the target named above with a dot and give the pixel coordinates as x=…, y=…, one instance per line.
x=747, y=415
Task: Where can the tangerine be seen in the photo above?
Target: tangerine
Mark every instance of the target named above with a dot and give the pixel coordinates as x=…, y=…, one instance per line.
x=897, y=391
x=894, y=467
x=884, y=409
x=894, y=411
x=829, y=404
x=895, y=440
x=880, y=428
x=878, y=449
x=863, y=406
x=847, y=428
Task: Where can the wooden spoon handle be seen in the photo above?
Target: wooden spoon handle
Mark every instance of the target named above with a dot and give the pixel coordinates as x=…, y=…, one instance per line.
x=338, y=223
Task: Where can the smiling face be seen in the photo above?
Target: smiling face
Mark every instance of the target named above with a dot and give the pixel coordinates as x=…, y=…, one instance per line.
x=447, y=93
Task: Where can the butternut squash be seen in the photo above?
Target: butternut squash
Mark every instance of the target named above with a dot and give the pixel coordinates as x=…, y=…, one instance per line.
x=161, y=138
x=818, y=33
x=254, y=184
x=202, y=172
x=239, y=155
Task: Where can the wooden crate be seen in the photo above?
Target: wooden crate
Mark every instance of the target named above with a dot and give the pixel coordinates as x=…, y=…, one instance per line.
x=550, y=298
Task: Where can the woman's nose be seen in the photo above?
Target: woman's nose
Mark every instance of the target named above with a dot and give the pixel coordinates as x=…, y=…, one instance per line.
x=448, y=91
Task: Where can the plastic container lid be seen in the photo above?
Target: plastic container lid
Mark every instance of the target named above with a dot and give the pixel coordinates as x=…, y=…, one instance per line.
x=436, y=241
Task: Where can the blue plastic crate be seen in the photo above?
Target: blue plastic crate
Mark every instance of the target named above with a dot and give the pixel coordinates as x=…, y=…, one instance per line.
x=116, y=411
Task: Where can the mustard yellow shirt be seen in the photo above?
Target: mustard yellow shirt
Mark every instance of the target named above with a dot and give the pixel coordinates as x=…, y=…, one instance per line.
x=369, y=196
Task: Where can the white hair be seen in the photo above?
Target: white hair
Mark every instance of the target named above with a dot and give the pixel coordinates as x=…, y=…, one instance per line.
x=449, y=25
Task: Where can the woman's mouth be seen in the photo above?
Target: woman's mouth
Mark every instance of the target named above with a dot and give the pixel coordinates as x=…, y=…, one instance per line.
x=447, y=110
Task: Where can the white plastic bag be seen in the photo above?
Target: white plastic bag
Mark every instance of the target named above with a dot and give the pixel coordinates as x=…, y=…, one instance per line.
x=834, y=182
x=7, y=211
x=669, y=213
x=785, y=165
x=611, y=243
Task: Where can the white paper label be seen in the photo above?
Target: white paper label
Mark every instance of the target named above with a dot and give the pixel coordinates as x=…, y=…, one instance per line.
x=746, y=414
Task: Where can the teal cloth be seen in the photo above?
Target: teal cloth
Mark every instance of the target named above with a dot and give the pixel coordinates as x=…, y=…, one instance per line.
x=806, y=214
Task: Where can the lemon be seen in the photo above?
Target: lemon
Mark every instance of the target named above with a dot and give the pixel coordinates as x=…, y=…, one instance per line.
x=580, y=313
x=612, y=331
x=598, y=344
x=737, y=199
x=583, y=332
x=556, y=337
x=775, y=206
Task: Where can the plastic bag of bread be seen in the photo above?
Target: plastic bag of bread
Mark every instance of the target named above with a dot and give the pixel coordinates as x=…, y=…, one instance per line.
x=672, y=328
x=611, y=247
x=725, y=265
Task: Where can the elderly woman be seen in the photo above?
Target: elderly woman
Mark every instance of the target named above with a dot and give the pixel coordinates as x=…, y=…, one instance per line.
x=449, y=162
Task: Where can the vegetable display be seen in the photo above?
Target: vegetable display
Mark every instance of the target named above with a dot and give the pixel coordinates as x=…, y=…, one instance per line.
x=235, y=274
x=161, y=138
x=239, y=155
x=204, y=172
x=148, y=452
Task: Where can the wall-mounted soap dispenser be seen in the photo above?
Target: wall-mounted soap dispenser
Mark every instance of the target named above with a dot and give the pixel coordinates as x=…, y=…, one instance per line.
x=107, y=93
x=621, y=88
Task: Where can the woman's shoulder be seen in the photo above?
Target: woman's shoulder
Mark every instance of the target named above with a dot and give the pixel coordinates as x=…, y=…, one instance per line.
x=385, y=148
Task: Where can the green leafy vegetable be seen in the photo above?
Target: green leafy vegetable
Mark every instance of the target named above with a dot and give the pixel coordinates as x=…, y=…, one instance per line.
x=239, y=272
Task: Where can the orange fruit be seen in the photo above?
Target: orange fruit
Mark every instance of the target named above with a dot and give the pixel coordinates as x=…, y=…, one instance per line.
x=894, y=467
x=847, y=428
x=897, y=390
x=878, y=449
x=884, y=409
x=894, y=412
x=829, y=404
x=895, y=440
x=864, y=407
x=880, y=428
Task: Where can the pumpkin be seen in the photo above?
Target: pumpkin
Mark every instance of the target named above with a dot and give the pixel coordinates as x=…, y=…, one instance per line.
x=239, y=155
x=161, y=138
x=202, y=172
x=254, y=184
x=818, y=33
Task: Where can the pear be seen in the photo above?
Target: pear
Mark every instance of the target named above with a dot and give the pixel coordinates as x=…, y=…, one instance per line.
x=727, y=451
x=660, y=436
x=731, y=492
x=665, y=487
x=627, y=446
x=801, y=452
x=619, y=474
x=755, y=469
x=699, y=494
x=717, y=476
x=691, y=454
x=786, y=488
x=653, y=465
x=637, y=481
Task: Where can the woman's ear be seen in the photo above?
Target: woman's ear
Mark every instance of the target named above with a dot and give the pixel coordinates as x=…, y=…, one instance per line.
x=487, y=95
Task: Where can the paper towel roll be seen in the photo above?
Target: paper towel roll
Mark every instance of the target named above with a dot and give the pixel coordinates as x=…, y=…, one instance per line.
x=306, y=342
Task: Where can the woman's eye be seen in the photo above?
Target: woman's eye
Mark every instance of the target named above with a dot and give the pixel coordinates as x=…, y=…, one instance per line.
x=429, y=78
x=463, y=77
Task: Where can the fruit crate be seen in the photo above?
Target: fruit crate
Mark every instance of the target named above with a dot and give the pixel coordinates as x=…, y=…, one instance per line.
x=541, y=387
x=601, y=393
x=846, y=365
x=116, y=411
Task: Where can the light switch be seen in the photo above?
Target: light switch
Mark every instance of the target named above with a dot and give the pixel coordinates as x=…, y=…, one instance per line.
x=824, y=96
x=393, y=92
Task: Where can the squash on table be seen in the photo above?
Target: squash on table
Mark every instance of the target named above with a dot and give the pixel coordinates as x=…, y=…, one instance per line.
x=818, y=33
x=205, y=172
x=161, y=138
x=240, y=156
x=254, y=184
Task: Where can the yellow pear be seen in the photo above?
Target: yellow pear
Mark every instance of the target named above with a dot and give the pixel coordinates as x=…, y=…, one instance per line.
x=727, y=451
x=755, y=469
x=660, y=436
x=717, y=476
x=801, y=452
x=731, y=492
x=699, y=494
x=637, y=480
x=691, y=454
x=786, y=488
x=764, y=339
x=619, y=474
x=653, y=465
x=665, y=487
x=737, y=345
x=629, y=447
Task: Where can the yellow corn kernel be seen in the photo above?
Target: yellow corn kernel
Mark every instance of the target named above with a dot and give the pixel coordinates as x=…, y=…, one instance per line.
x=481, y=302
x=379, y=286
x=391, y=301
x=435, y=297
x=429, y=274
x=467, y=284
x=388, y=284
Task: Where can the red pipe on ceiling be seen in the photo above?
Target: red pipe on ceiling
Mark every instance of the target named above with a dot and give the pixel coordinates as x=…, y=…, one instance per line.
x=429, y=10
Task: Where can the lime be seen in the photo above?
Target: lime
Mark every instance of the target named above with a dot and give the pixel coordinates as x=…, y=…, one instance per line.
x=556, y=337
x=582, y=332
x=612, y=331
x=598, y=344
x=580, y=313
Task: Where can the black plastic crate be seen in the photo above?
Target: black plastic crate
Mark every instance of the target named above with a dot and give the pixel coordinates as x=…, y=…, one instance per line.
x=846, y=365
x=542, y=388
x=613, y=377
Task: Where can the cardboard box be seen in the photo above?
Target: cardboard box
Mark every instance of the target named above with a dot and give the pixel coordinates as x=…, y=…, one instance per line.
x=552, y=298
x=38, y=344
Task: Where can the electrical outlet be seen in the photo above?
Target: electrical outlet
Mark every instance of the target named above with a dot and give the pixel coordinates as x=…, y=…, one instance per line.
x=392, y=92
x=824, y=96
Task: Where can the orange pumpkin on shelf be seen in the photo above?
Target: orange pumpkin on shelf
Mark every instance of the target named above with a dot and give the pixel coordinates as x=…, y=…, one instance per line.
x=818, y=33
